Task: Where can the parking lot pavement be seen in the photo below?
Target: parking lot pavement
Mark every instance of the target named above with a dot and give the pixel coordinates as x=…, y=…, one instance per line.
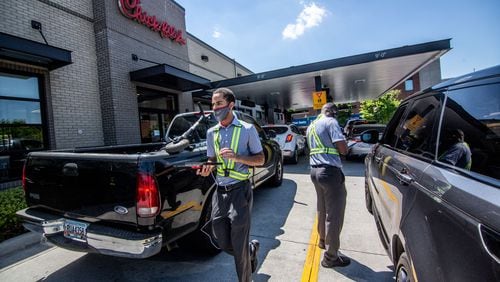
x=282, y=220
x=359, y=238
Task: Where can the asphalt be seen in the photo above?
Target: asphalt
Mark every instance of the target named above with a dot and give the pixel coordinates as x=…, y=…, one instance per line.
x=289, y=210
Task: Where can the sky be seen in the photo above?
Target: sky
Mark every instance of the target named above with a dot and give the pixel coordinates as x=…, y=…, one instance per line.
x=265, y=35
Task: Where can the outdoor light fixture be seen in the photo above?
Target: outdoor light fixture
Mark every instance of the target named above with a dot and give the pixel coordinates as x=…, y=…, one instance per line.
x=204, y=58
x=38, y=26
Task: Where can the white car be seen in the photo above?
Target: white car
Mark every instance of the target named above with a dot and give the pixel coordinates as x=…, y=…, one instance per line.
x=291, y=142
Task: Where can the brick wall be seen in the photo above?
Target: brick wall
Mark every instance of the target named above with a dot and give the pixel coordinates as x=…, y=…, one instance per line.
x=72, y=91
x=117, y=38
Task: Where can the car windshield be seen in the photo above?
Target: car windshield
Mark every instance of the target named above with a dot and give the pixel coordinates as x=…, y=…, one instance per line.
x=277, y=129
x=182, y=123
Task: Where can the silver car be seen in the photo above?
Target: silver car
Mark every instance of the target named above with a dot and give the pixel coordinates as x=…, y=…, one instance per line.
x=291, y=141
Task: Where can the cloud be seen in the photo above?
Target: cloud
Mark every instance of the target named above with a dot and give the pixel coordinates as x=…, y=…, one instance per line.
x=311, y=16
x=216, y=34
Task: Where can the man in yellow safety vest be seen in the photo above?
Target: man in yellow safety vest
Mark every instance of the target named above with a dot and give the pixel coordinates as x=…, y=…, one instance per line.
x=235, y=145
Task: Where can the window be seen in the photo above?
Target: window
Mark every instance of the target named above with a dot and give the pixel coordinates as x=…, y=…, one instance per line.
x=415, y=133
x=475, y=113
x=389, y=137
x=21, y=126
x=409, y=85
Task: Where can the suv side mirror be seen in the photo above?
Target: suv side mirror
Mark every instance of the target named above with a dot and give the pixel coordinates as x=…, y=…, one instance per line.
x=370, y=136
x=271, y=134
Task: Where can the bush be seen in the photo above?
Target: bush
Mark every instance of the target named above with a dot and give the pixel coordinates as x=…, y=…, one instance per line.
x=11, y=200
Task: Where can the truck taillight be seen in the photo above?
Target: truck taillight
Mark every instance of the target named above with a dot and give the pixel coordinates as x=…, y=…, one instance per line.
x=289, y=138
x=23, y=179
x=148, y=197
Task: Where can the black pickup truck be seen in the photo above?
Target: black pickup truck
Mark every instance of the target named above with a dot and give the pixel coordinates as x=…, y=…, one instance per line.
x=131, y=201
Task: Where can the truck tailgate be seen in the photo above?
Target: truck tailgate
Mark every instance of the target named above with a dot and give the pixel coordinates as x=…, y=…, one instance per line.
x=88, y=186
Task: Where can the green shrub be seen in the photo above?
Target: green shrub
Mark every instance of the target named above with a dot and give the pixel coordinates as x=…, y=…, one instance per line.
x=11, y=200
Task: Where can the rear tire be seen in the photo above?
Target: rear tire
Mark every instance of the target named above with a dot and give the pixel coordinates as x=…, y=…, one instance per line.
x=202, y=240
x=295, y=157
x=277, y=178
x=404, y=271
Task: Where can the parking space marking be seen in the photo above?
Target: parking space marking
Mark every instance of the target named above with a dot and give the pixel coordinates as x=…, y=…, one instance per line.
x=311, y=265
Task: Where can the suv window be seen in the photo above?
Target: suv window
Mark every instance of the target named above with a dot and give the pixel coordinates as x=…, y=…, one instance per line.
x=390, y=137
x=475, y=112
x=415, y=133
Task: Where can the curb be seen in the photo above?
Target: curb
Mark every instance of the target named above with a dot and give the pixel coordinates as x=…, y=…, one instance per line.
x=19, y=243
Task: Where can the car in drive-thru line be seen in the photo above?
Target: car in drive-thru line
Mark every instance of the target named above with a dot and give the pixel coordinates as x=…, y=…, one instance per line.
x=290, y=139
x=433, y=181
x=131, y=200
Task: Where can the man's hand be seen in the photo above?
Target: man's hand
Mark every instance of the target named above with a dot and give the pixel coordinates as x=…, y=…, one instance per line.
x=205, y=170
x=228, y=153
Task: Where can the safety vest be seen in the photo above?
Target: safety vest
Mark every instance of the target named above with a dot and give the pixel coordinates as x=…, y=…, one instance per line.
x=320, y=148
x=227, y=169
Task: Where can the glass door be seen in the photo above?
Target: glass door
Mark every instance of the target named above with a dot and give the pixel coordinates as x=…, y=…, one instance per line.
x=156, y=111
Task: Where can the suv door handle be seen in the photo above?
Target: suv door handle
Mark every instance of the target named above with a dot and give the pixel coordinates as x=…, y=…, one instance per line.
x=403, y=177
x=491, y=241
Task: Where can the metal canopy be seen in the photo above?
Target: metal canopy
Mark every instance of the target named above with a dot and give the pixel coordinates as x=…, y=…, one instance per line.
x=353, y=78
x=23, y=50
x=170, y=77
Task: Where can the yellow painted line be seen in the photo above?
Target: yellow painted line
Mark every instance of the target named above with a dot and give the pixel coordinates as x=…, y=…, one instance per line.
x=311, y=265
x=391, y=195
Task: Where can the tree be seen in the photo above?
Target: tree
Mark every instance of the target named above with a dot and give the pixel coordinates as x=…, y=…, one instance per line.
x=382, y=108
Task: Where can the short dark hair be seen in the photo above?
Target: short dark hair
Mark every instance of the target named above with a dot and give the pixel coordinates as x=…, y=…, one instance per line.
x=227, y=94
x=329, y=109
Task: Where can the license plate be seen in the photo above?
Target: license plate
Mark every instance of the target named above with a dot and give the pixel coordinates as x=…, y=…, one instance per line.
x=75, y=230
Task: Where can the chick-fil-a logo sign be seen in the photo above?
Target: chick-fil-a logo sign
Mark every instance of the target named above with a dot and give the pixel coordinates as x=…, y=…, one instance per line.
x=132, y=9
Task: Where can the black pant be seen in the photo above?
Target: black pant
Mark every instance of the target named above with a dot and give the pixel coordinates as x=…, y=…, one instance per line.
x=231, y=214
x=329, y=183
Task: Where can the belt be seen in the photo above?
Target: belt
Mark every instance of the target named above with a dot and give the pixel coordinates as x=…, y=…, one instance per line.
x=229, y=188
x=323, y=166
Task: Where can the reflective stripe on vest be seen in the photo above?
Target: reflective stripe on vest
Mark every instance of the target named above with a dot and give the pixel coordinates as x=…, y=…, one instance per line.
x=229, y=167
x=320, y=148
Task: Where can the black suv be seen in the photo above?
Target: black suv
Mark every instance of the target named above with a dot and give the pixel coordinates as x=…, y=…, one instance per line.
x=433, y=181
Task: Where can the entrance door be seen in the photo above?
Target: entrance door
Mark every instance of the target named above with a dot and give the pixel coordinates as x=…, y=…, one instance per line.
x=156, y=110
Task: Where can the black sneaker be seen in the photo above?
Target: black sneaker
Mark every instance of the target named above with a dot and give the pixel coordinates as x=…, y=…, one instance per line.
x=341, y=261
x=254, y=248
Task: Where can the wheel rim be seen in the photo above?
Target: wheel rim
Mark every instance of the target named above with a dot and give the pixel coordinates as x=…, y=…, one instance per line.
x=402, y=275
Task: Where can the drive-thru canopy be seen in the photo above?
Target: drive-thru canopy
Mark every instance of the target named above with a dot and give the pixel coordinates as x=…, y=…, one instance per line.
x=352, y=78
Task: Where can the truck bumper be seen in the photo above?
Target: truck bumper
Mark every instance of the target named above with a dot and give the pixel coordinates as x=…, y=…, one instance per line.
x=99, y=239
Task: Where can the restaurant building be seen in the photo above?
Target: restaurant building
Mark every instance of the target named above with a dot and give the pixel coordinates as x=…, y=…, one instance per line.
x=94, y=73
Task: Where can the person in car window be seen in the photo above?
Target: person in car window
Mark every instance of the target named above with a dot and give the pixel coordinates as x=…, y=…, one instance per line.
x=326, y=143
x=458, y=152
x=235, y=145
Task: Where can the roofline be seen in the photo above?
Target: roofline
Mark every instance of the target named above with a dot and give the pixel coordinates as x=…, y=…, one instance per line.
x=217, y=51
x=406, y=50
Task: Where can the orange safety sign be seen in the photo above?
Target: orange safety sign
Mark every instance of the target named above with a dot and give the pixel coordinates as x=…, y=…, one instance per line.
x=319, y=99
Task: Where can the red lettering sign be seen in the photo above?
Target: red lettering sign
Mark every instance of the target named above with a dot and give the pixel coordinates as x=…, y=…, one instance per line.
x=132, y=9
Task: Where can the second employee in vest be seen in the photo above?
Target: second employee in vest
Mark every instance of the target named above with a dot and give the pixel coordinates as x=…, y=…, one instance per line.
x=326, y=144
x=236, y=145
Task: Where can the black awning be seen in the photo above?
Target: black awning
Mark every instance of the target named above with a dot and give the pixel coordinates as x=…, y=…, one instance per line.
x=170, y=77
x=27, y=51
